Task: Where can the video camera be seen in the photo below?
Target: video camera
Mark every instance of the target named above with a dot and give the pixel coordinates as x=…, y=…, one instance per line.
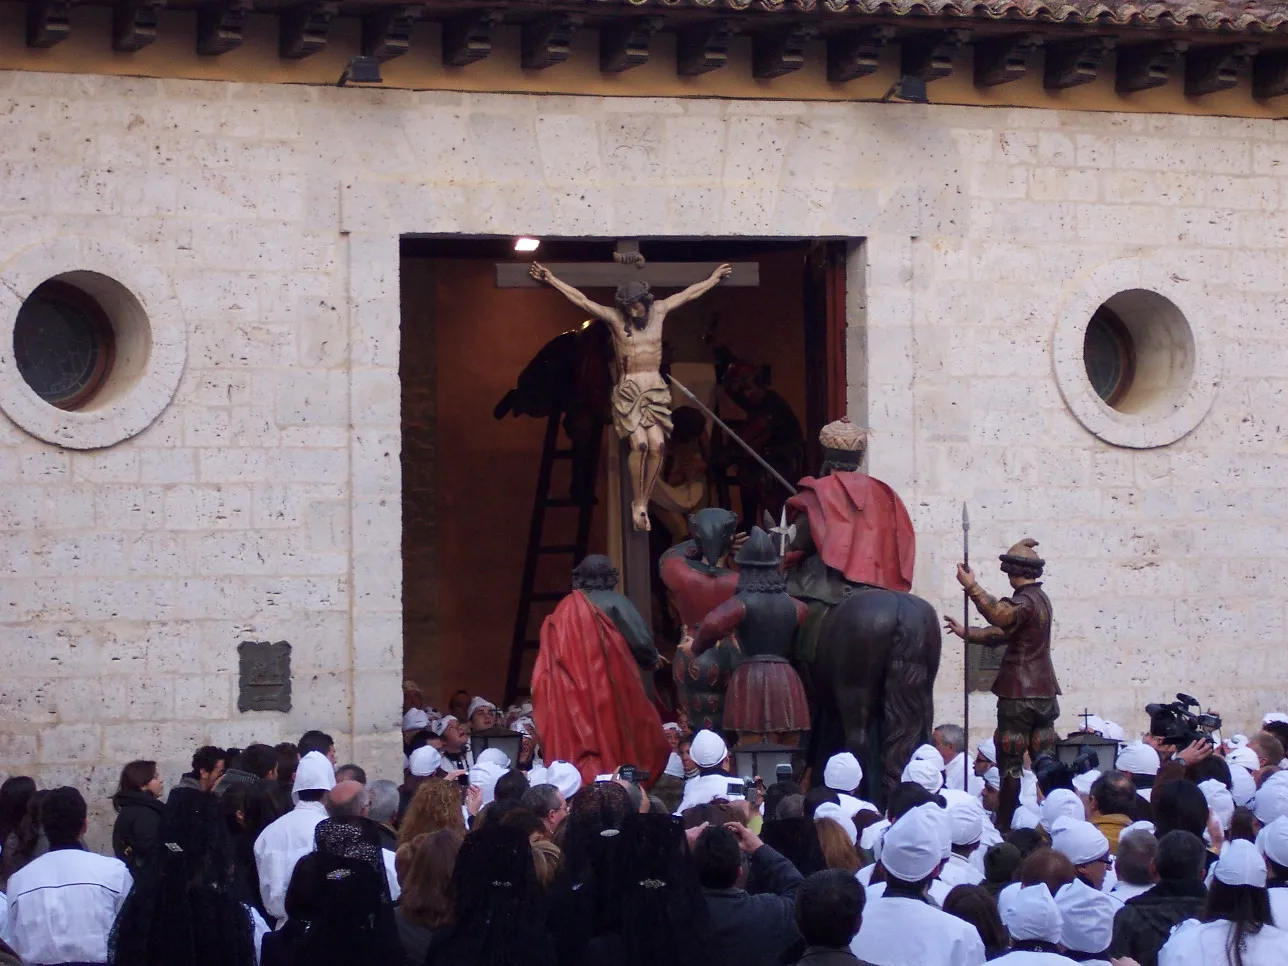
x=1176, y=724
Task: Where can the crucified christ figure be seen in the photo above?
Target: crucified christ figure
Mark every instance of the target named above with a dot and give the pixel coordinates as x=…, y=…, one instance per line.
x=642, y=399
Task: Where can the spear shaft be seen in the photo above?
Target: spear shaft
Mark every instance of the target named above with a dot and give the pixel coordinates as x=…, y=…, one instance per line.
x=966, y=654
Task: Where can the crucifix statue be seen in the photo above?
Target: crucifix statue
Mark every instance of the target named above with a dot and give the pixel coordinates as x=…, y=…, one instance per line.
x=641, y=399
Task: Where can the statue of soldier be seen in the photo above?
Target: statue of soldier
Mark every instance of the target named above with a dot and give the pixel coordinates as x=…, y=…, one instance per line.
x=641, y=399
x=1026, y=687
x=695, y=575
x=766, y=700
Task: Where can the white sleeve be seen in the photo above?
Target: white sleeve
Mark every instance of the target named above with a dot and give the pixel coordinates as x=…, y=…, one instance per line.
x=259, y=927
x=391, y=873
x=272, y=881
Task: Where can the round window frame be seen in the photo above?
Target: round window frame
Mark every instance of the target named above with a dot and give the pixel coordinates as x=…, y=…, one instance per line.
x=56, y=290
x=1083, y=296
x=134, y=394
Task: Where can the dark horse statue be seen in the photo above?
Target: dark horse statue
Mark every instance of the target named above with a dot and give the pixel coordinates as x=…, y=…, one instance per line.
x=872, y=683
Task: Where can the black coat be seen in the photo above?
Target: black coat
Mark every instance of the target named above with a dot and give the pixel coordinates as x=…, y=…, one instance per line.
x=757, y=930
x=1146, y=921
x=138, y=825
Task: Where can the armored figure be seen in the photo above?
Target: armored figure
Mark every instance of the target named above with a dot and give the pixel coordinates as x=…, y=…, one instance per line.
x=692, y=572
x=766, y=699
x=1026, y=687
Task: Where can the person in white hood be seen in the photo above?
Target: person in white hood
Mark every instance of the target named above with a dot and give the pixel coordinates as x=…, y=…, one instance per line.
x=843, y=774
x=1033, y=919
x=711, y=755
x=284, y=841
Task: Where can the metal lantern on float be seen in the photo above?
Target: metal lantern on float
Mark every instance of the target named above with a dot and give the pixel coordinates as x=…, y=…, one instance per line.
x=1105, y=749
x=499, y=737
x=761, y=760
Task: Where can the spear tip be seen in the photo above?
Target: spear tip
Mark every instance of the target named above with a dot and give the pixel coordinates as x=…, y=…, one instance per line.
x=965, y=517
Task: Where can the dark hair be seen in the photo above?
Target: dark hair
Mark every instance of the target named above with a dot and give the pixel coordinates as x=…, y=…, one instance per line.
x=1247, y=908
x=1027, y=840
x=426, y=900
x=314, y=741
x=1181, y=855
x=829, y=908
x=1179, y=805
x=595, y=572
x=1136, y=851
x=135, y=775
x=1243, y=825
x=541, y=799
x=15, y=795
x=288, y=759
x=511, y=786
x=1114, y=793
x=1049, y=867
x=795, y=839
x=526, y=821
x=310, y=794
x=816, y=796
x=1213, y=766
x=62, y=816
x=906, y=797
x=355, y=773
x=258, y=760
x=774, y=795
x=28, y=833
x=717, y=858
x=206, y=758
x=974, y=904
x=1277, y=728
x=303, y=891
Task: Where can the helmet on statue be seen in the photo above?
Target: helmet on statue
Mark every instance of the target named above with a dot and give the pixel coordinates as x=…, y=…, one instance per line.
x=1022, y=560
x=843, y=446
x=758, y=551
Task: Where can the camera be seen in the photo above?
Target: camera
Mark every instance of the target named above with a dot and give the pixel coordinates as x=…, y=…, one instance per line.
x=629, y=773
x=1178, y=725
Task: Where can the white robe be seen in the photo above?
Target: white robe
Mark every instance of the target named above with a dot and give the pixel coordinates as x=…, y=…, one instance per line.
x=959, y=871
x=909, y=932
x=62, y=906
x=1028, y=957
x=1279, y=906
x=1203, y=944
x=707, y=788
x=954, y=777
x=936, y=892
x=279, y=847
x=851, y=805
x=391, y=873
x=1122, y=891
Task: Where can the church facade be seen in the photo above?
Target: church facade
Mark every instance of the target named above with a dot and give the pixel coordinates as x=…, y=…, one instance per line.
x=232, y=474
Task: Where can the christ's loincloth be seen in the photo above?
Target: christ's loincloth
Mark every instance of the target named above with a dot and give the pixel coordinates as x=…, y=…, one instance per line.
x=635, y=408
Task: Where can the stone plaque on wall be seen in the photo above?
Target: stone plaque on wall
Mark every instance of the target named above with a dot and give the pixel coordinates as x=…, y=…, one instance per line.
x=264, y=679
x=985, y=662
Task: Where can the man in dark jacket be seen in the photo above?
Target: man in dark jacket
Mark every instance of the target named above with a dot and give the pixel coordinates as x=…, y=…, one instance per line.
x=829, y=912
x=1145, y=922
x=749, y=930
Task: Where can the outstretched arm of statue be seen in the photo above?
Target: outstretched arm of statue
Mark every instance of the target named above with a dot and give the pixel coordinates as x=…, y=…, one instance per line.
x=698, y=289
x=1000, y=613
x=718, y=624
x=543, y=274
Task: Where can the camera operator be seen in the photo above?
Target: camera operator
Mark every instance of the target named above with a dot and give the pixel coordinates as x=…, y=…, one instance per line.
x=1177, y=735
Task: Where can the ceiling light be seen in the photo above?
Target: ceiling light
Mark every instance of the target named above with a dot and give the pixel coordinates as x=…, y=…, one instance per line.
x=527, y=244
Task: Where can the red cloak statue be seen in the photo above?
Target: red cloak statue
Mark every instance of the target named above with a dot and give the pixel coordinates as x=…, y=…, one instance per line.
x=860, y=527
x=587, y=699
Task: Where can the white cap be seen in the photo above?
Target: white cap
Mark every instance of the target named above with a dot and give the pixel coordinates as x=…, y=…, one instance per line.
x=967, y=816
x=494, y=756
x=988, y=748
x=1061, y=803
x=1272, y=798
x=944, y=823
x=912, y=848
x=425, y=761
x=1114, y=731
x=674, y=766
x=1031, y=913
x=565, y=777
x=925, y=774
x=870, y=838
x=1220, y=801
x=526, y=725
x=993, y=779
x=479, y=703
x=1082, y=783
x=1138, y=758
x=1088, y=916
x=1240, y=864
x=843, y=772
x=1242, y=785
x=1025, y=817
x=484, y=777
x=537, y=776
x=315, y=773
x=415, y=720
x=835, y=813
x=1237, y=741
x=1275, y=717
x=1078, y=841
x=671, y=726
x=442, y=724
x=1273, y=840
x=708, y=749
x=1245, y=756
x=931, y=754
x=1147, y=827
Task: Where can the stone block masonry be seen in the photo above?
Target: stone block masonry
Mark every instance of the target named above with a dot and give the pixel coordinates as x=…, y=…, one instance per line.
x=263, y=503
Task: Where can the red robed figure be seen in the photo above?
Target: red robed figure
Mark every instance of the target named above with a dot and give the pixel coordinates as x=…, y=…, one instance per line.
x=860, y=527
x=589, y=704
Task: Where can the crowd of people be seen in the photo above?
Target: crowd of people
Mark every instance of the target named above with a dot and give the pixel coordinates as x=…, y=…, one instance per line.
x=276, y=856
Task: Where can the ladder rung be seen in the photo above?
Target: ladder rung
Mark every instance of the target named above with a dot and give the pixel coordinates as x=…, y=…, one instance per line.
x=558, y=548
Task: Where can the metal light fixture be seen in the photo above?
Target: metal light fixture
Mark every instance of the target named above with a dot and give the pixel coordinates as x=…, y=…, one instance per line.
x=908, y=89
x=361, y=70
x=508, y=742
x=761, y=760
x=527, y=244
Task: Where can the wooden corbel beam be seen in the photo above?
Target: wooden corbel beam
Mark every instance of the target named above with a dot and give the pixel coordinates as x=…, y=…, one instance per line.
x=1071, y=63
x=48, y=22
x=1270, y=74
x=304, y=29
x=624, y=44
x=134, y=23
x=703, y=47
x=930, y=55
x=781, y=50
x=547, y=40
x=386, y=31
x=1001, y=60
x=467, y=37
x=856, y=53
x=221, y=24
x=1216, y=68
x=1142, y=66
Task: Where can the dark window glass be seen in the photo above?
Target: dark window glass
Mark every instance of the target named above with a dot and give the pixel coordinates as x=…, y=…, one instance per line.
x=63, y=344
x=1107, y=353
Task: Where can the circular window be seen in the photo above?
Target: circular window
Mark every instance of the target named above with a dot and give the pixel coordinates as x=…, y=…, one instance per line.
x=63, y=344
x=1109, y=355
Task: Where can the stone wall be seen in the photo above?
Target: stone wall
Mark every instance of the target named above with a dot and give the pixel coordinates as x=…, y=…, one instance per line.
x=264, y=501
